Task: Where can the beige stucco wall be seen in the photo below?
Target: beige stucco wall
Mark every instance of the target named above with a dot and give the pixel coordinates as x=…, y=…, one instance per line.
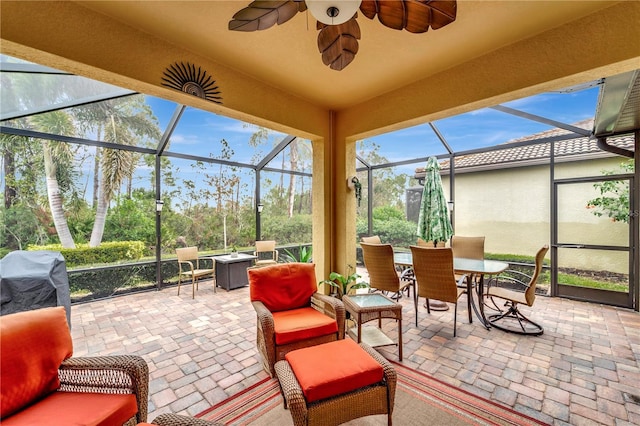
x=511, y=208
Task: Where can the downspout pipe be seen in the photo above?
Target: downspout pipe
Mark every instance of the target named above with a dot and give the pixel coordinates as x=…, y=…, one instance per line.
x=603, y=145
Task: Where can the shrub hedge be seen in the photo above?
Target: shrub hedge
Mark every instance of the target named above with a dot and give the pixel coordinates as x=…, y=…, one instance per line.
x=108, y=252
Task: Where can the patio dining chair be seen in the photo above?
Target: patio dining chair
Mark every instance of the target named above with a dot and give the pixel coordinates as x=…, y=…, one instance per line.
x=266, y=253
x=435, y=280
x=383, y=275
x=468, y=248
x=374, y=239
x=423, y=243
x=189, y=266
x=505, y=288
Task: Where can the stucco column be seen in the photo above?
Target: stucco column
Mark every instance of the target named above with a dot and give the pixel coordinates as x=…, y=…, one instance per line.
x=334, y=207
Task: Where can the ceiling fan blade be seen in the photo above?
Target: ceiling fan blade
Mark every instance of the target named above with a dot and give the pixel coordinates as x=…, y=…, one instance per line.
x=338, y=44
x=415, y=16
x=260, y=15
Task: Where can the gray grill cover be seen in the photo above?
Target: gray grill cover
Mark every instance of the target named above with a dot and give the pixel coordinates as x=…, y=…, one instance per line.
x=32, y=280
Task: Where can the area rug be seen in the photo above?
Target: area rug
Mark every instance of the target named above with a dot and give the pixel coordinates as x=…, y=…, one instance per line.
x=420, y=400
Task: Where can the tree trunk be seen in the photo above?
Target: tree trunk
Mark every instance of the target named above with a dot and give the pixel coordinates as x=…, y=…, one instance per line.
x=55, y=200
x=129, y=187
x=293, y=154
x=98, y=225
x=9, y=177
x=96, y=178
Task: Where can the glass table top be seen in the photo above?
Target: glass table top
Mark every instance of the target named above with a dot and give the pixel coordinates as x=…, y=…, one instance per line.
x=370, y=300
x=460, y=264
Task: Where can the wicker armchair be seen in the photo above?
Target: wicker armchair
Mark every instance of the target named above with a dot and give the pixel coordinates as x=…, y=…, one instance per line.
x=284, y=294
x=40, y=378
x=433, y=269
x=512, y=319
x=108, y=374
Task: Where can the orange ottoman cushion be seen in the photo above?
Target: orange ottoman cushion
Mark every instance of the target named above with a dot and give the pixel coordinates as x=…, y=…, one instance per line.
x=77, y=408
x=34, y=344
x=333, y=368
x=301, y=324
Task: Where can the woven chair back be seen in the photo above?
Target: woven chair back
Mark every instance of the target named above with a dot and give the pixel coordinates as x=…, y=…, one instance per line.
x=374, y=239
x=433, y=268
x=187, y=253
x=468, y=247
x=378, y=259
x=265, y=246
x=429, y=244
x=530, y=292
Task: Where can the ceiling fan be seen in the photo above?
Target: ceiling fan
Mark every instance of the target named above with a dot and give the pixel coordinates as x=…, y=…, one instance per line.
x=339, y=30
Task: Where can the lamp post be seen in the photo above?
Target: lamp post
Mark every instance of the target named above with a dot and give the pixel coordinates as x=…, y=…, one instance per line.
x=259, y=208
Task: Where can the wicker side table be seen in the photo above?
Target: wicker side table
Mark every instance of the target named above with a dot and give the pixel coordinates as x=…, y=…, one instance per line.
x=368, y=307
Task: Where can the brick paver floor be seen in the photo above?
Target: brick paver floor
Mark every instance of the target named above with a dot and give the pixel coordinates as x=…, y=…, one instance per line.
x=584, y=369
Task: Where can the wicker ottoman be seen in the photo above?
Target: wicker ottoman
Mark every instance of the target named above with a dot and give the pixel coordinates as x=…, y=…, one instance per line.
x=327, y=372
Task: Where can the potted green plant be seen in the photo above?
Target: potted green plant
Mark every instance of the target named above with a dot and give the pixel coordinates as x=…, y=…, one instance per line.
x=304, y=255
x=234, y=251
x=345, y=284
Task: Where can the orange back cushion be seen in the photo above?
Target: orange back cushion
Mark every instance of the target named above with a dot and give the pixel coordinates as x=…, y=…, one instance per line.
x=284, y=286
x=34, y=344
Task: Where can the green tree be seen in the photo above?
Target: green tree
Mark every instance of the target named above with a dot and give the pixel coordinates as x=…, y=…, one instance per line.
x=20, y=226
x=58, y=165
x=124, y=121
x=389, y=223
x=614, y=196
x=130, y=220
x=388, y=186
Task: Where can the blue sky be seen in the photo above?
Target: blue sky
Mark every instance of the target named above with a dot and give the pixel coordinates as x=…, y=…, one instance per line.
x=199, y=132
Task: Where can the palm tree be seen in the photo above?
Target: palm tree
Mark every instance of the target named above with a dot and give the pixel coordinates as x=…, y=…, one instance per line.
x=57, y=157
x=125, y=121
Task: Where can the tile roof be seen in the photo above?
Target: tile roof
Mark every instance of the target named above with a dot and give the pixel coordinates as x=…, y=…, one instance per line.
x=538, y=152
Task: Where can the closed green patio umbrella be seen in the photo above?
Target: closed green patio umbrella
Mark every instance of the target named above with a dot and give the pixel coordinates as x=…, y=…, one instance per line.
x=433, y=222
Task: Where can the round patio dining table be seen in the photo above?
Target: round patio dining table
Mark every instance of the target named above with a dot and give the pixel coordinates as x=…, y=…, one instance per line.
x=480, y=267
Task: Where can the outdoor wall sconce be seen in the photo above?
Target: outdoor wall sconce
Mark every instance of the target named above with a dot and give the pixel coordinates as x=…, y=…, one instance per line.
x=260, y=207
x=353, y=183
x=159, y=204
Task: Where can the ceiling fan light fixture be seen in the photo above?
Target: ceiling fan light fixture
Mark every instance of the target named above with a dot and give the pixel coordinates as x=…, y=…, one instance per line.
x=333, y=12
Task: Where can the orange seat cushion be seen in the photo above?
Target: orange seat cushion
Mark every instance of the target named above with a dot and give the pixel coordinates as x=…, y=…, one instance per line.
x=333, y=369
x=283, y=286
x=301, y=324
x=77, y=408
x=34, y=344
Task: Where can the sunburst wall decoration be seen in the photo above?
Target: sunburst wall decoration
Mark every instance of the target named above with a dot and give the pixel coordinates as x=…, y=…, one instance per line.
x=186, y=78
